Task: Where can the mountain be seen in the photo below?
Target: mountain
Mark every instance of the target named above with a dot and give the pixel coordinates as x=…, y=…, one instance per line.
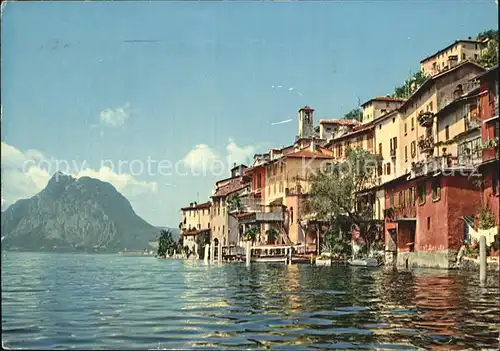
x=75, y=215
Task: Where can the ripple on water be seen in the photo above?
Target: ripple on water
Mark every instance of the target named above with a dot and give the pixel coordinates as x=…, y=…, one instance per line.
x=109, y=301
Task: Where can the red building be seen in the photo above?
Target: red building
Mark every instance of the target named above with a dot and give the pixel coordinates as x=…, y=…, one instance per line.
x=490, y=133
x=424, y=216
x=258, y=174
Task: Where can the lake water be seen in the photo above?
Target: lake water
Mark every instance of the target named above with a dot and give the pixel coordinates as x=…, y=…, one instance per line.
x=111, y=301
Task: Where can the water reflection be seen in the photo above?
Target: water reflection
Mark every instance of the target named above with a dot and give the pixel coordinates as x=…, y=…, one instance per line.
x=109, y=301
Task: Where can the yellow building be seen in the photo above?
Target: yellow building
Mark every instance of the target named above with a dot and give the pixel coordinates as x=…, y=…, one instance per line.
x=238, y=184
x=378, y=106
x=195, y=221
x=419, y=127
x=452, y=55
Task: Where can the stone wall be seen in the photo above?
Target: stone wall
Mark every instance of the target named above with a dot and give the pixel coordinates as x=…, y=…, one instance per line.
x=444, y=259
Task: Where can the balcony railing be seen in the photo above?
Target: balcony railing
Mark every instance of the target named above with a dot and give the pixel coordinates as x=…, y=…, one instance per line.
x=252, y=204
x=472, y=123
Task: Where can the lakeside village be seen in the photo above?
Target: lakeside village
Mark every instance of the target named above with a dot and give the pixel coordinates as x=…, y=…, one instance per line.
x=424, y=189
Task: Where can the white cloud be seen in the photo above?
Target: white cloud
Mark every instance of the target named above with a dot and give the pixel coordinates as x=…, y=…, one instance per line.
x=200, y=158
x=239, y=155
x=23, y=176
x=115, y=117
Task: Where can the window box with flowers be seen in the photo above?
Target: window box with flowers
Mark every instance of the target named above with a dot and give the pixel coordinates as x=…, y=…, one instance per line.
x=425, y=119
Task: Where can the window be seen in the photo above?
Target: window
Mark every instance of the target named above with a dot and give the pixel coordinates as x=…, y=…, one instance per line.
x=274, y=188
x=430, y=106
x=395, y=142
x=259, y=181
x=379, y=126
x=412, y=196
x=402, y=199
x=281, y=187
x=421, y=193
x=380, y=148
x=447, y=132
x=428, y=223
x=412, y=123
x=436, y=189
x=281, y=167
x=391, y=200
x=406, y=153
x=463, y=57
x=475, y=56
x=388, y=168
x=393, y=119
x=413, y=149
x=406, y=132
x=383, y=111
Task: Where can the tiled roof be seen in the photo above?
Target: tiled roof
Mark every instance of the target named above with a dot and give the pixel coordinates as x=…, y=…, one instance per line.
x=344, y=122
x=199, y=206
x=358, y=129
x=307, y=108
x=384, y=98
x=233, y=185
x=311, y=154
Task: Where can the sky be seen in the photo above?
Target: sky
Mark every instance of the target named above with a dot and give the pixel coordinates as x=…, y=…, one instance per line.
x=145, y=95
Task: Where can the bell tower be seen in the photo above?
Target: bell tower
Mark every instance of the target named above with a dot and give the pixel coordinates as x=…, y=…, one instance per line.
x=306, y=122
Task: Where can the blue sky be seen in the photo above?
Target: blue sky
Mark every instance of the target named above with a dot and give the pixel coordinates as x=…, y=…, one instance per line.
x=75, y=88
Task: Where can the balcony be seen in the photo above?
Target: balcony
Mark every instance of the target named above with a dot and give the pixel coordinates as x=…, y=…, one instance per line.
x=262, y=217
x=426, y=145
x=251, y=204
x=425, y=119
x=472, y=123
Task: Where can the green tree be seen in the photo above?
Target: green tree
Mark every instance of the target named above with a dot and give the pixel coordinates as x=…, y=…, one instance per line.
x=251, y=234
x=355, y=113
x=166, y=243
x=272, y=234
x=410, y=85
x=335, y=193
x=489, y=56
x=233, y=203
